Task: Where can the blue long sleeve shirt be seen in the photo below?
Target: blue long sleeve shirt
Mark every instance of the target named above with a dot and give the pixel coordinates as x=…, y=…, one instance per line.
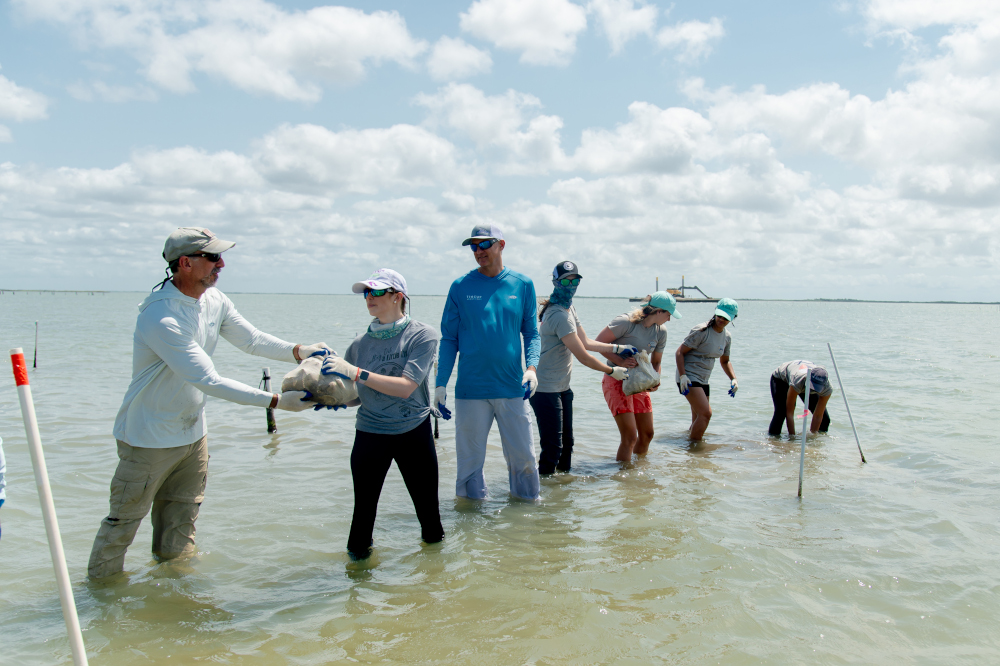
x=484, y=322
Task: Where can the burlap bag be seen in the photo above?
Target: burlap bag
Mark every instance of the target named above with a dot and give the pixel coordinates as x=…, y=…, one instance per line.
x=326, y=389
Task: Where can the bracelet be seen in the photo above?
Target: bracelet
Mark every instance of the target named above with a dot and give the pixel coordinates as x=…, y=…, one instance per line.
x=295, y=353
x=274, y=400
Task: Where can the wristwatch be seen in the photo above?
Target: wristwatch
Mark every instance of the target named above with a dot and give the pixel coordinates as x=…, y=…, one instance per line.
x=363, y=376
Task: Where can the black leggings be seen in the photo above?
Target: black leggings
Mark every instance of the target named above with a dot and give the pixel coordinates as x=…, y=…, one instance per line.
x=554, y=413
x=779, y=394
x=416, y=459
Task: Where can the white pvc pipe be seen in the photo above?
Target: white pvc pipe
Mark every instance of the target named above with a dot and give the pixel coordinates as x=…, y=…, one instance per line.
x=805, y=429
x=848, y=407
x=48, y=508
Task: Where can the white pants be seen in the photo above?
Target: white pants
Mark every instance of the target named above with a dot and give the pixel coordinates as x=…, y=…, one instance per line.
x=473, y=419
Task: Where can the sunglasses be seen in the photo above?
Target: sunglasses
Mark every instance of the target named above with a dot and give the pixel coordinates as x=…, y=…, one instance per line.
x=483, y=245
x=566, y=282
x=214, y=258
x=378, y=292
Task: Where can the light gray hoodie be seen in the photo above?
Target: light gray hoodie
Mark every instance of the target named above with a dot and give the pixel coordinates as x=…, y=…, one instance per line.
x=172, y=370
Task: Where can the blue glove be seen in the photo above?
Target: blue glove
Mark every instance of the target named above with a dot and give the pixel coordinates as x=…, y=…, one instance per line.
x=733, y=388
x=440, y=397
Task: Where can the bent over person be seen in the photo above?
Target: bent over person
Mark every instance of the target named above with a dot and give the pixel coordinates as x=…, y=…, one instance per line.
x=160, y=428
x=488, y=313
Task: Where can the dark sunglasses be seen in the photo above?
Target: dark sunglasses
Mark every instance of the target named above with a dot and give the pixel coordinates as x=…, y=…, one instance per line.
x=378, y=292
x=214, y=258
x=483, y=245
x=566, y=282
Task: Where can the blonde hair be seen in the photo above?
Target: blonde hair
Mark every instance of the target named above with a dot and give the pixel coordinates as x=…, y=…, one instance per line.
x=639, y=314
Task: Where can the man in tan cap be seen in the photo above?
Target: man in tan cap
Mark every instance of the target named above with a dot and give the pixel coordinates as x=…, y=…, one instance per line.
x=160, y=428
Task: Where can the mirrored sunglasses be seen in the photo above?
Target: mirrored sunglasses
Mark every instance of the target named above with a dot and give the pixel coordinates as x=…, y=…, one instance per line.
x=567, y=282
x=378, y=292
x=483, y=245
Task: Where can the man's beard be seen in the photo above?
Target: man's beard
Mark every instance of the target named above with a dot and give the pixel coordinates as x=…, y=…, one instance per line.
x=210, y=280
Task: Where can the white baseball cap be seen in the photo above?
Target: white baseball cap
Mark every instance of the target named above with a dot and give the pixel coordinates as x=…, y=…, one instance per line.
x=383, y=278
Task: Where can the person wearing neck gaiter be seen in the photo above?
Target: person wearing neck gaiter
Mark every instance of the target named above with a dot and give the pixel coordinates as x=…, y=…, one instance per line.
x=391, y=365
x=563, y=338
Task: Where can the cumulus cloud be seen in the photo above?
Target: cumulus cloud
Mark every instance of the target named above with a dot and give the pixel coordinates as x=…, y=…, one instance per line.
x=621, y=21
x=18, y=103
x=254, y=45
x=544, y=31
x=452, y=59
x=692, y=40
x=315, y=158
x=504, y=126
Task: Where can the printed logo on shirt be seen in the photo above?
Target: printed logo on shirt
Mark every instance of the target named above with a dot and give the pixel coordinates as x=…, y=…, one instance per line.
x=473, y=297
x=512, y=297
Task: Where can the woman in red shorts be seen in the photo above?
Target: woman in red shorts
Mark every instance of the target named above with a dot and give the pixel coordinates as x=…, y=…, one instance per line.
x=644, y=329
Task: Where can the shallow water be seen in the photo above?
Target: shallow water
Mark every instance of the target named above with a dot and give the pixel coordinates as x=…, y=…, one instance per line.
x=699, y=554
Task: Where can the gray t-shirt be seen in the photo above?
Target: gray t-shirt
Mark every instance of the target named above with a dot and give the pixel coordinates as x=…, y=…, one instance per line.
x=556, y=363
x=410, y=354
x=793, y=373
x=706, y=345
x=646, y=338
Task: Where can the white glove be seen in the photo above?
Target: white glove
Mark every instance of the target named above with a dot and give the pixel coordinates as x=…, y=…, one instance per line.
x=295, y=401
x=619, y=373
x=334, y=365
x=529, y=383
x=305, y=351
x=685, y=384
x=734, y=386
x=625, y=351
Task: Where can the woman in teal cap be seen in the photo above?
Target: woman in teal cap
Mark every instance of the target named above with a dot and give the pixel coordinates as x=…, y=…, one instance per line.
x=643, y=329
x=696, y=358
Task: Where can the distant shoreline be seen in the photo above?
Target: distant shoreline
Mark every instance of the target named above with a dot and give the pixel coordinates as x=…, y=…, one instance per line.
x=612, y=298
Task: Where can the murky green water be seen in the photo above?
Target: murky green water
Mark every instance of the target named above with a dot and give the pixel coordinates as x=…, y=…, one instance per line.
x=696, y=555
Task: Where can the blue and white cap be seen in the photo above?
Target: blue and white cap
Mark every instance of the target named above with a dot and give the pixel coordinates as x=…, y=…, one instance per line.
x=481, y=232
x=383, y=278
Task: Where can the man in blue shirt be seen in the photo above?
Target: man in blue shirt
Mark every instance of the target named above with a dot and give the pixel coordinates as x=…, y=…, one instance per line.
x=488, y=312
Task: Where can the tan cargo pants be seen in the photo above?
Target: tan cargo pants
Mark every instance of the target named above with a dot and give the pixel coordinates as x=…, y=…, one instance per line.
x=172, y=483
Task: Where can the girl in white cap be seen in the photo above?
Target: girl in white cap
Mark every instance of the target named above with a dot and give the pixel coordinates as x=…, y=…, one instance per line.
x=644, y=330
x=391, y=363
x=696, y=358
x=563, y=338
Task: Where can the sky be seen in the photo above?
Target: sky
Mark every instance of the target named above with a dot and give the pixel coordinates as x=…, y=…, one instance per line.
x=761, y=150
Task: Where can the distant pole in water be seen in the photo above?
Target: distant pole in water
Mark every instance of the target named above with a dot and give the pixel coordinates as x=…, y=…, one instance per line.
x=657, y=284
x=48, y=508
x=272, y=426
x=34, y=363
x=844, y=393
x=805, y=428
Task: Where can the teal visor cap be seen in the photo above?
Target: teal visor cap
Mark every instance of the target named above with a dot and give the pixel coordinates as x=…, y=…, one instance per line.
x=665, y=301
x=727, y=308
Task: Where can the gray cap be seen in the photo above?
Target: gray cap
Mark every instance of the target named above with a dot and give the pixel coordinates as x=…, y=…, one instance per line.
x=819, y=378
x=482, y=232
x=192, y=240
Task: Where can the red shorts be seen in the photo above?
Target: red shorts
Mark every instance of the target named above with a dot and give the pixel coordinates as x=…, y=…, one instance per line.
x=620, y=403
